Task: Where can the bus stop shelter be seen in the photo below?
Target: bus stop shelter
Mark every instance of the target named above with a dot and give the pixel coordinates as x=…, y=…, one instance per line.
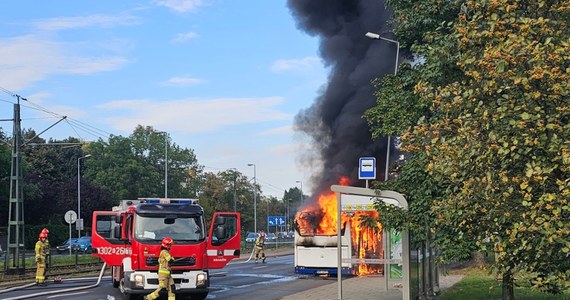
x=348, y=196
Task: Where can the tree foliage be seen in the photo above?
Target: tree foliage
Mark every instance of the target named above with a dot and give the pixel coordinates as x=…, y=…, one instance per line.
x=133, y=167
x=497, y=135
x=5, y=166
x=122, y=168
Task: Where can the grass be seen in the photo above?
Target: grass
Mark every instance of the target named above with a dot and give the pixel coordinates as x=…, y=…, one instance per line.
x=59, y=260
x=478, y=284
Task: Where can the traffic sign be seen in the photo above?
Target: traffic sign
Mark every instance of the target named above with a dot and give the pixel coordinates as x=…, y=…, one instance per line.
x=367, y=168
x=79, y=224
x=276, y=220
x=70, y=217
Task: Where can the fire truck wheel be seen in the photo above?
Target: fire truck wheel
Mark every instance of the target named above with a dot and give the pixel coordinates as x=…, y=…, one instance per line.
x=132, y=297
x=199, y=296
x=116, y=283
x=128, y=296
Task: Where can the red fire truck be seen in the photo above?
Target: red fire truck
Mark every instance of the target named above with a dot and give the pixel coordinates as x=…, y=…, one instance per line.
x=128, y=239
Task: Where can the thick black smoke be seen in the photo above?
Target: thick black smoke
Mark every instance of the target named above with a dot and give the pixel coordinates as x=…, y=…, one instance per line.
x=335, y=120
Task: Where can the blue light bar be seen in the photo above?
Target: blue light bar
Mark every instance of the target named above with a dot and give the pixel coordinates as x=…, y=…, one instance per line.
x=168, y=201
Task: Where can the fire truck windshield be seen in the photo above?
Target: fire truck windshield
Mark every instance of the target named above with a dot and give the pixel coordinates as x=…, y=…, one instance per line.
x=155, y=228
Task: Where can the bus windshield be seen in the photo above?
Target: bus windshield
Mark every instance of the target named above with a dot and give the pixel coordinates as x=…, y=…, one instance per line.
x=156, y=228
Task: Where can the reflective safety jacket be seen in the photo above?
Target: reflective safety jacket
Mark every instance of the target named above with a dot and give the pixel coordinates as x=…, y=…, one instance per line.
x=164, y=262
x=46, y=247
x=42, y=249
x=259, y=242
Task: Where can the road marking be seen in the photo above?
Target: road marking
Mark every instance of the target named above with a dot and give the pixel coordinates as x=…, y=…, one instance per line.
x=274, y=279
x=65, y=295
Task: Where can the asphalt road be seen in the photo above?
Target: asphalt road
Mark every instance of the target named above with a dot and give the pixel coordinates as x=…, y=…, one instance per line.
x=239, y=280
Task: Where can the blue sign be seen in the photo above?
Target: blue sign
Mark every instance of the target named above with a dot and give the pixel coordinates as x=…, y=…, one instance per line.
x=276, y=220
x=367, y=168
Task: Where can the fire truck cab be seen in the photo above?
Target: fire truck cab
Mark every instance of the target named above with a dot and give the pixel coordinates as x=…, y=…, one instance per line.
x=128, y=239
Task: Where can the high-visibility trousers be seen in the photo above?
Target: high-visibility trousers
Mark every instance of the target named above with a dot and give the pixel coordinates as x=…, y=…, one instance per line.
x=40, y=271
x=258, y=251
x=165, y=281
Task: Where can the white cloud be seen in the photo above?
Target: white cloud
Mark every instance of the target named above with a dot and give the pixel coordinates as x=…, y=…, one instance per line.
x=182, y=81
x=278, y=131
x=28, y=59
x=291, y=149
x=180, y=5
x=303, y=64
x=183, y=37
x=80, y=65
x=85, y=21
x=194, y=115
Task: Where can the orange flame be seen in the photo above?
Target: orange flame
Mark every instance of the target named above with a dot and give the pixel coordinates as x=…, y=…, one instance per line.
x=321, y=217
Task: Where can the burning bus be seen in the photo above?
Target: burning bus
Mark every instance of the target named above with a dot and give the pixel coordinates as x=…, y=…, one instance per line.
x=316, y=249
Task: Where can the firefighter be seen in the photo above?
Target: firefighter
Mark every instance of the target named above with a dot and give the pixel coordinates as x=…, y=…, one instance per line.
x=259, y=244
x=46, y=249
x=165, y=281
x=41, y=250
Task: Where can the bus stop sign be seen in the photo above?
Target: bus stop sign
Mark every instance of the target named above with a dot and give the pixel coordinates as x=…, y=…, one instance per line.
x=367, y=168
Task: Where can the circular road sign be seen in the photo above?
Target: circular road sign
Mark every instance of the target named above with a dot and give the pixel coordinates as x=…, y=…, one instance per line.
x=70, y=217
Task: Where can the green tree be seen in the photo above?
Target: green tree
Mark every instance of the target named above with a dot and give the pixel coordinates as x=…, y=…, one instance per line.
x=292, y=199
x=496, y=135
x=216, y=194
x=133, y=167
x=219, y=191
x=424, y=27
x=5, y=167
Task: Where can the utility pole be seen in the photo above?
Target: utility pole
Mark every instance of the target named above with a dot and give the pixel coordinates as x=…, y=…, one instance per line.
x=254, y=198
x=15, y=245
x=235, y=191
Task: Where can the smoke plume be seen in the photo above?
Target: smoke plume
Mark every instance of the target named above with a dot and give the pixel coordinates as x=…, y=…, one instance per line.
x=335, y=120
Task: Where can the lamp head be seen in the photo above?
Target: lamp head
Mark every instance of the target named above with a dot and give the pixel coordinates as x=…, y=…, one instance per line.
x=372, y=35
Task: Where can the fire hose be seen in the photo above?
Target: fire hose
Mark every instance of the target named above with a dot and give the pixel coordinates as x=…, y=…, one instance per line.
x=252, y=250
x=43, y=293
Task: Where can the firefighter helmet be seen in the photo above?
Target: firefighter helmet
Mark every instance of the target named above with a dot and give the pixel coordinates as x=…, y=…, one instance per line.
x=167, y=242
x=43, y=235
x=45, y=230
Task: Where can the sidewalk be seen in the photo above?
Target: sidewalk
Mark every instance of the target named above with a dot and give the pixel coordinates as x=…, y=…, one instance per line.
x=363, y=288
x=353, y=288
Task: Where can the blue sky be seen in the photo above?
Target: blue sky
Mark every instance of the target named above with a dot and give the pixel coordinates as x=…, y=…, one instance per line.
x=223, y=77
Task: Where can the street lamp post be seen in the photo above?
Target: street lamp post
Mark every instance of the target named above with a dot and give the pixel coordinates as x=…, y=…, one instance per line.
x=302, y=196
x=287, y=213
x=254, y=198
x=79, y=219
x=235, y=191
x=165, y=164
x=376, y=36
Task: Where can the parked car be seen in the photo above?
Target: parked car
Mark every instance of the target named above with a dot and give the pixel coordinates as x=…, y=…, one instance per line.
x=65, y=246
x=251, y=237
x=270, y=237
x=83, y=244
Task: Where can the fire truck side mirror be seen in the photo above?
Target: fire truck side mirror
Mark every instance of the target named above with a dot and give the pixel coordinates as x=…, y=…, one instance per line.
x=220, y=235
x=118, y=232
x=220, y=221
